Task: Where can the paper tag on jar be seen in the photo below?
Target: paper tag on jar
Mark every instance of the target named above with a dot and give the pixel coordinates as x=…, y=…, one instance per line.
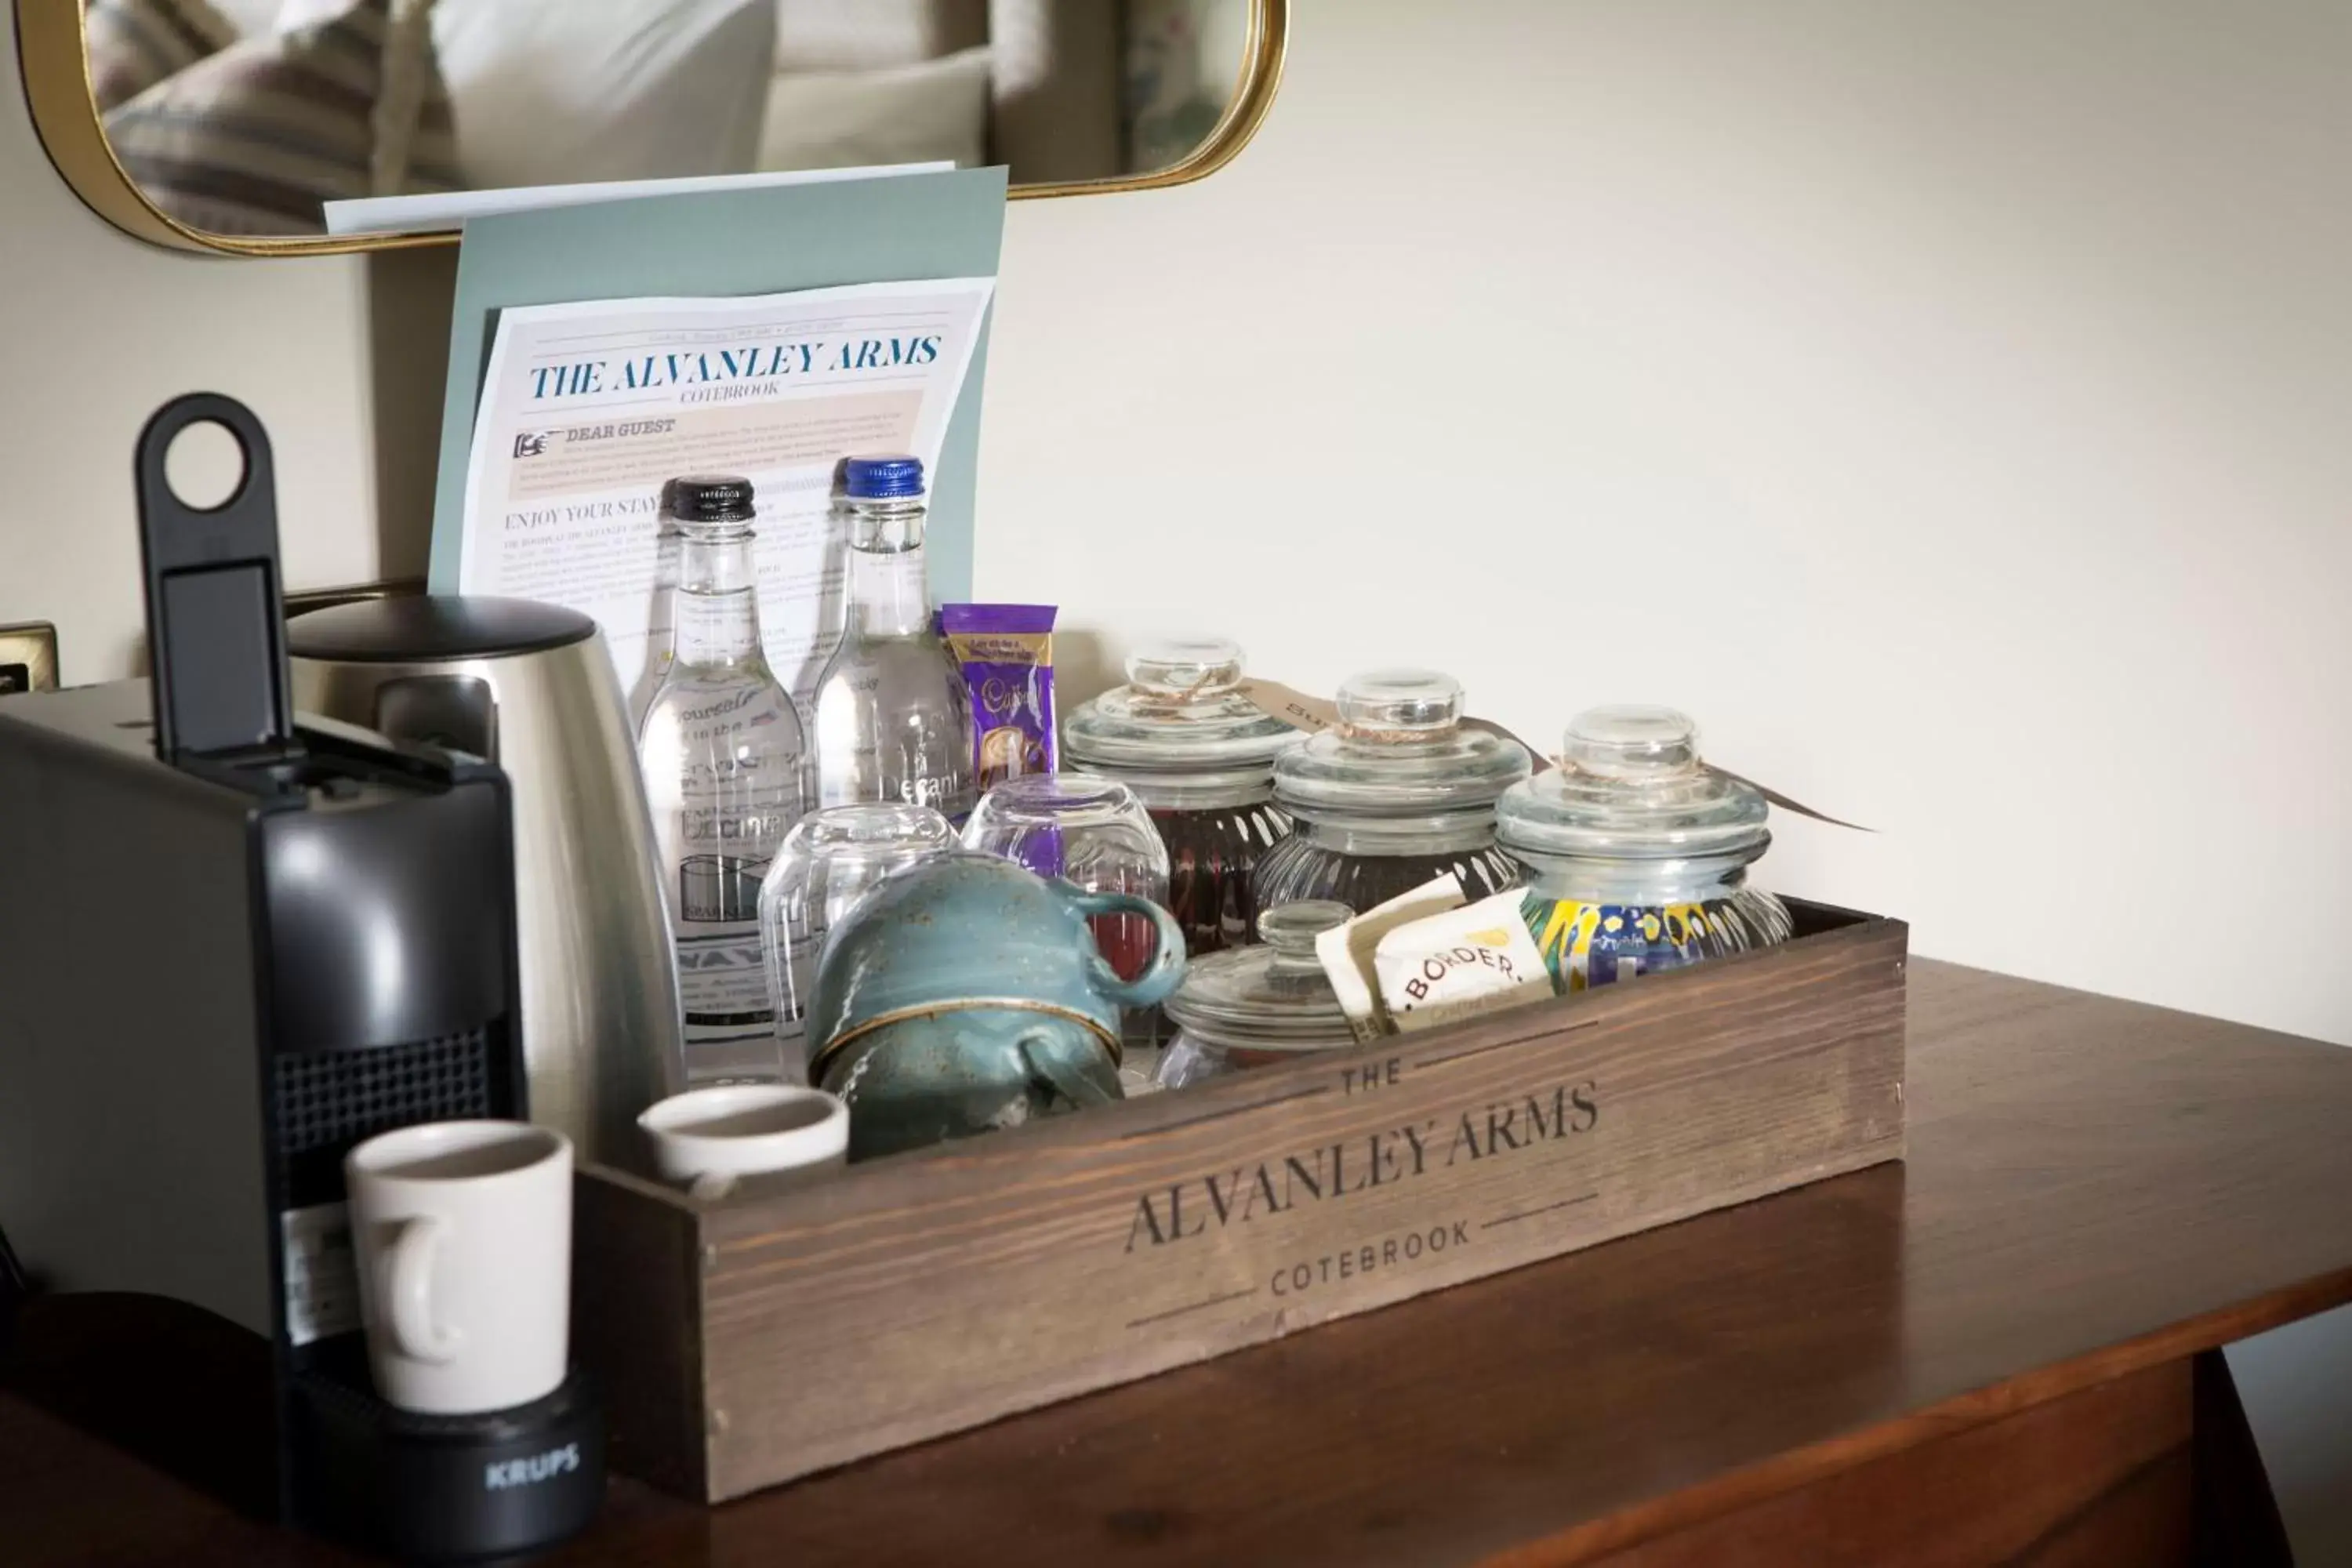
x=1290, y=705
x=1346, y=951
x=1456, y=965
x=1783, y=802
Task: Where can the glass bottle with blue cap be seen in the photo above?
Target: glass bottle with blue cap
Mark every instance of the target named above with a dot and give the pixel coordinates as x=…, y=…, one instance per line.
x=892, y=719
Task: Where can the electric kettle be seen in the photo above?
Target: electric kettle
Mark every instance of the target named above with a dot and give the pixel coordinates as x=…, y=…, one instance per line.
x=531, y=688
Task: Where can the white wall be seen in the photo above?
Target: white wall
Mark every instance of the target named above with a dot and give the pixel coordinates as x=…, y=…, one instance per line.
x=97, y=330
x=1944, y=402
x=1945, y=406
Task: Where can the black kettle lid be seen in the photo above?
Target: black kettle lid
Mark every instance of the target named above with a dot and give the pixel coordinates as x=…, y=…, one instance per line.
x=418, y=628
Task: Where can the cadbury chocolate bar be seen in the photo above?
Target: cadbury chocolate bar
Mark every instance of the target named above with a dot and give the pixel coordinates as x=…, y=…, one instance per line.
x=1007, y=655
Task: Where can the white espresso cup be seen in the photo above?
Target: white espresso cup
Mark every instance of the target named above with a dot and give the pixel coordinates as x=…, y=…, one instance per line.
x=464, y=1235
x=710, y=1138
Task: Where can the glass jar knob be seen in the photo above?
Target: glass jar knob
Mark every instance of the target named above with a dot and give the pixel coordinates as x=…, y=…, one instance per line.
x=1291, y=929
x=1632, y=741
x=1179, y=669
x=1400, y=706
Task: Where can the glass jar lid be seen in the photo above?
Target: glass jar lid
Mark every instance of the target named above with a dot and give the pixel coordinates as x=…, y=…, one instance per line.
x=1275, y=997
x=1181, y=711
x=1399, y=749
x=1630, y=786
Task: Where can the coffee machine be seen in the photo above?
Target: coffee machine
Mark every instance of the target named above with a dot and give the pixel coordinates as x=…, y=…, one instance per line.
x=530, y=686
x=236, y=942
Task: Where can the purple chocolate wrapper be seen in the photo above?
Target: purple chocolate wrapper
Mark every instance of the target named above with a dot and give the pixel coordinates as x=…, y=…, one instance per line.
x=1007, y=655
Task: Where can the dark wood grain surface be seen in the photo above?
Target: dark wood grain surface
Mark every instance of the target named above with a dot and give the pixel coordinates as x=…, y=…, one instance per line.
x=2102, y=1478
x=2094, y=1189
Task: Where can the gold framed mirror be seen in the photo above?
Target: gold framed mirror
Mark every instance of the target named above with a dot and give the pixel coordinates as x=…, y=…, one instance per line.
x=221, y=126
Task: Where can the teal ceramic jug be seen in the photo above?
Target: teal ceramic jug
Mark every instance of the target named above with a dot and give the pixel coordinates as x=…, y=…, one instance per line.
x=966, y=994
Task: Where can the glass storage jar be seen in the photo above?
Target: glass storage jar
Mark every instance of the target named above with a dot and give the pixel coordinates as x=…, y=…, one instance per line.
x=1637, y=853
x=1256, y=1007
x=1201, y=757
x=1396, y=794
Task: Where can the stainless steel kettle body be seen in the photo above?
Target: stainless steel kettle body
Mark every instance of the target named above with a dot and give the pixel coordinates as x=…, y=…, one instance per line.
x=533, y=688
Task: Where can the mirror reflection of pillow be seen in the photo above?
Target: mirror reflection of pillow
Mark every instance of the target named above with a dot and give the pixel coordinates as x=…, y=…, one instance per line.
x=932, y=109
x=135, y=44
x=553, y=91
x=253, y=140
x=863, y=35
x=255, y=16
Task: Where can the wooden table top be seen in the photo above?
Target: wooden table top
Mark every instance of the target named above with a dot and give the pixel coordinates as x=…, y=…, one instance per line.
x=2093, y=1187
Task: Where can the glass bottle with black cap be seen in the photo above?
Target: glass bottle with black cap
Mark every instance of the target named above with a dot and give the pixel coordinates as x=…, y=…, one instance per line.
x=727, y=775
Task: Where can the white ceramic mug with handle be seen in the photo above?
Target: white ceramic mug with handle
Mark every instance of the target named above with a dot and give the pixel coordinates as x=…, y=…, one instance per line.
x=710, y=1138
x=464, y=1235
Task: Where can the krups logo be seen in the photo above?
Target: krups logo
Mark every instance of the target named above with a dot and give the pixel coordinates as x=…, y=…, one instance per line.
x=544, y=1467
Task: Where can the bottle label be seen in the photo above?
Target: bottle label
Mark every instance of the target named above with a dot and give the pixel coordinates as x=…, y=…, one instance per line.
x=944, y=795
x=728, y=828
x=721, y=978
x=736, y=800
x=863, y=778
x=927, y=760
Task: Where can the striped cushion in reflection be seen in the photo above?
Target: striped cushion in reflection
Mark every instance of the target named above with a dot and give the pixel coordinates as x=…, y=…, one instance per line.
x=253, y=139
x=135, y=44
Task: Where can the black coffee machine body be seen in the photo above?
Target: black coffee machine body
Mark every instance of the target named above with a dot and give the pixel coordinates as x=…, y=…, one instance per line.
x=232, y=947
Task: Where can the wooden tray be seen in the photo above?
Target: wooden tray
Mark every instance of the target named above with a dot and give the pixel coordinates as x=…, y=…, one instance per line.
x=784, y=1330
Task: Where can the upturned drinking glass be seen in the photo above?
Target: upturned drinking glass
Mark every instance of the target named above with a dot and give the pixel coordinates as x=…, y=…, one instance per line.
x=1095, y=835
x=832, y=858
